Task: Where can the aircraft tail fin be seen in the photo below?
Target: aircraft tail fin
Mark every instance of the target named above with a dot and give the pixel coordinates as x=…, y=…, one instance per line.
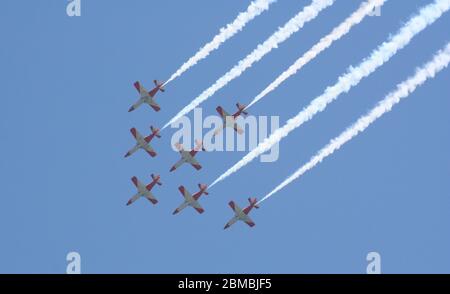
x=199, y=145
x=155, y=131
x=253, y=202
x=159, y=85
x=157, y=179
x=241, y=108
x=203, y=188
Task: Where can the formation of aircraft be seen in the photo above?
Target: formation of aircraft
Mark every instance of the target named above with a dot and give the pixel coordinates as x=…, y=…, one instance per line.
x=186, y=157
x=145, y=191
x=143, y=143
x=229, y=121
x=242, y=214
x=192, y=200
x=147, y=97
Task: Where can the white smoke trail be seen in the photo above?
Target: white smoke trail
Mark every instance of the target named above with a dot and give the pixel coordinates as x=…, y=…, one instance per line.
x=427, y=15
x=439, y=62
x=323, y=44
x=256, y=8
x=282, y=34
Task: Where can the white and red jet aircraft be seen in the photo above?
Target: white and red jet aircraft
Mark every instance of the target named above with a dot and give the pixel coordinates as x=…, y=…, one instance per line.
x=147, y=97
x=188, y=156
x=229, y=121
x=192, y=200
x=242, y=214
x=143, y=143
x=144, y=191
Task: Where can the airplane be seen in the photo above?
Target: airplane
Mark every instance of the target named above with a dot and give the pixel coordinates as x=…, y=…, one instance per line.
x=144, y=191
x=188, y=156
x=143, y=143
x=192, y=200
x=230, y=120
x=242, y=214
x=147, y=97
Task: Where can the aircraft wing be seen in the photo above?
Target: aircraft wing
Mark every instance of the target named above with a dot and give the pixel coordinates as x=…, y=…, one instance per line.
x=218, y=130
x=238, y=129
x=237, y=210
x=136, y=135
x=185, y=193
x=134, y=198
x=248, y=221
x=150, y=197
x=177, y=165
x=231, y=222
x=137, y=183
x=132, y=150
x=141, y=89
x=150, y=150
x=197, y=207
x=181, y=207
x=223, y=113
x=153, y=104
x=195, y=163
x=136, y=105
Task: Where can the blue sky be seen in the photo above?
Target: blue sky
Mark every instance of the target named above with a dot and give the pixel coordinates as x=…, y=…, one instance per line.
x=67, y=86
